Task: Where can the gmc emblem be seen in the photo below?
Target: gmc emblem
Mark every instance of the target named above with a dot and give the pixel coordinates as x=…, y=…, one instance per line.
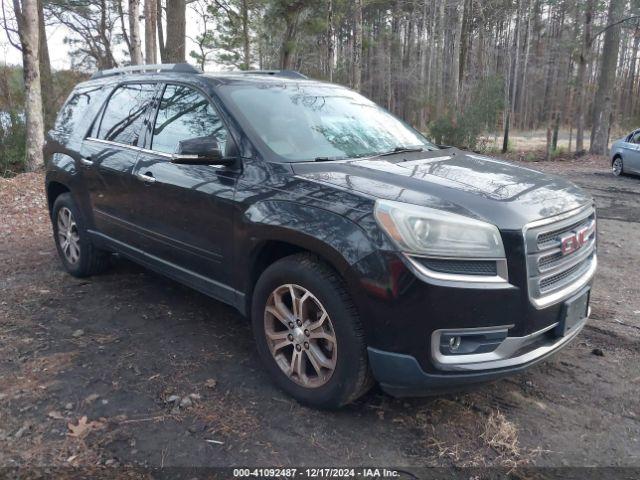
x=575, y=240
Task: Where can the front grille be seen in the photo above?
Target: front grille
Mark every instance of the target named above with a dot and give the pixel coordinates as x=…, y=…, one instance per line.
x=461, y=267
x=550, y=271
x=548, y=283
x=550, y=238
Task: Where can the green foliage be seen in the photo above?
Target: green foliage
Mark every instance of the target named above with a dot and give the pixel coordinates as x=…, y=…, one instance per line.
x=12, y=121
x=12, y=142
x=464, y=129
x=222, y=39
x=12, y=115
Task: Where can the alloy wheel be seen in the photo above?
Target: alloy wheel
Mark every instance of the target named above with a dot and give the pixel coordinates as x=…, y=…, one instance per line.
x=617, y=166
x=300, y=335
x=68, y=237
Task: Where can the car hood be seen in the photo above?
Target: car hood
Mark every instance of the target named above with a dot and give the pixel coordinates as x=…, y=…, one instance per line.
x=504, y=194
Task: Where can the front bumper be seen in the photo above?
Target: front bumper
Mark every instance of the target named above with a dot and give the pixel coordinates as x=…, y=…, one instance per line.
x=401, y=375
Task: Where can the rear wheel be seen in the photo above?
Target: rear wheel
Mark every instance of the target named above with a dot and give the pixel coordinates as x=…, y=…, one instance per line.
x=617, y=166
x=308, y=332
x=79, y=256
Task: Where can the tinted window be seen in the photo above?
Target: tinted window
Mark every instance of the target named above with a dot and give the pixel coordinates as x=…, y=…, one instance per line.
x=74, y=111
x=635, y=138
x=125, y=112
x=183, y=114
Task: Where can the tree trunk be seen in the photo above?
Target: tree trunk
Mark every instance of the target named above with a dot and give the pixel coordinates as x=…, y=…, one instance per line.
x=49, y=101
x=28, y=29
x=505, y=138
x=456, y=53
x=630, y=101
x=246, y=40
x=507, y=91
x=467, y=15
x=291, y=17
x=357, y=46
x=548, y=150
x=150, y=28
x=556, y=132
x=581, y=80
x=123, y=26
x=108, y=60
x=286, y=57
x=523, y=88
x=176, y=25
x=134, y=32
x=602, y=105
x=330, y=45
x=516, y=67
x=161, y=44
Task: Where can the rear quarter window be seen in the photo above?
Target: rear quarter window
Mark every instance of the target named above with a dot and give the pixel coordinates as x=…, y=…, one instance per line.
x=72, y=120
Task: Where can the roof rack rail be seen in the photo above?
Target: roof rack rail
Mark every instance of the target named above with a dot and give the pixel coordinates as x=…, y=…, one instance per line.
x=164, y=67
x=275, y=73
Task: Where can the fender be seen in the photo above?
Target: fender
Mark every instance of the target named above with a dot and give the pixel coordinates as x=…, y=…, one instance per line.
x=340, y=241
x=62, y=168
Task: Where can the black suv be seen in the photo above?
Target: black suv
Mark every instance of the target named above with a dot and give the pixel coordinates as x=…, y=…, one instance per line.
x=359, y=250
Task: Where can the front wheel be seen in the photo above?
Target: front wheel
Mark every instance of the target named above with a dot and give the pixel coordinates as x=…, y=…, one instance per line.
x=308, y=332
x=617, y=167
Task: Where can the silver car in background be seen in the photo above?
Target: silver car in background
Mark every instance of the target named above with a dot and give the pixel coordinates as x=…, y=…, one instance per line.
x=625, y=154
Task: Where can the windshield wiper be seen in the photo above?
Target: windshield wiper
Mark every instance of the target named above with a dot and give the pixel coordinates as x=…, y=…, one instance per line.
x=372, y=154
x=401, y=150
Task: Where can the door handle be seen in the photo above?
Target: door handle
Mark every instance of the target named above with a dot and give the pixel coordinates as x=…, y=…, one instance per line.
x=146, y=177
x=86, y=162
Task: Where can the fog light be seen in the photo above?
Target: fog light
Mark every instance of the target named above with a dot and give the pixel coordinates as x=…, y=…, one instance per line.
x=470, y=342
x=454, y=343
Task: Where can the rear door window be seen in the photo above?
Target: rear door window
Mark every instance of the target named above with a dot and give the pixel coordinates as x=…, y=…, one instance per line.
x=124, y=115
x=185, y=113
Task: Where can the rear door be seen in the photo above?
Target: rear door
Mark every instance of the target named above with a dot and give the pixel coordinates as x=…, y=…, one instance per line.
x=187, y=210
x=109, y=155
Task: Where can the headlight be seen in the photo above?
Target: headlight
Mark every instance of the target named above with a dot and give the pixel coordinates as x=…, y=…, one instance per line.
x=426, y=231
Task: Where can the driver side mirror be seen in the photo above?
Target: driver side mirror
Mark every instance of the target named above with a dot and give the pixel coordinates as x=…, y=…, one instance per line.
x=200, y=151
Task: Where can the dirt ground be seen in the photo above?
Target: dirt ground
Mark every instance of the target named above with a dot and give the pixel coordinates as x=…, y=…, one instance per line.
x=129, y=368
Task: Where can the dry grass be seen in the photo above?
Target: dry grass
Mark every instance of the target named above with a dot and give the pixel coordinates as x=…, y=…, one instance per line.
x=501, y=435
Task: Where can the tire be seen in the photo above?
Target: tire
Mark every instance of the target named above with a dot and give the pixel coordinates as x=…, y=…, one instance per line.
x=617, y=166
x=79, y=257
x=348, y=376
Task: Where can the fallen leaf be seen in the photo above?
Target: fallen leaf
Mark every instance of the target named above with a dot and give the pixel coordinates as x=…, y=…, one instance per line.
x=91, y=398
x=55, y=415
x=210, y=383
x=83, y=427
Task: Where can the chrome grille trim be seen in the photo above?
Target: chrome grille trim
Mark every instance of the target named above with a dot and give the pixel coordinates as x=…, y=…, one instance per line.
x=552, y=276
x=460, y=280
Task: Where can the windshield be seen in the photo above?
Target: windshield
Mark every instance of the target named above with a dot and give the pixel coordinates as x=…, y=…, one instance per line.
x=301, y=122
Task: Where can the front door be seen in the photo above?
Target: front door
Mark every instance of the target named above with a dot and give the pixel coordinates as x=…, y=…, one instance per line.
x=632, y=158
x=108, y=157
x=187, y=210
